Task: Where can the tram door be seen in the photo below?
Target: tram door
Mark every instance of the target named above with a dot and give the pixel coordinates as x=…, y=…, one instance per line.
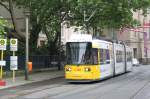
x=105, y=63
x=119, y=59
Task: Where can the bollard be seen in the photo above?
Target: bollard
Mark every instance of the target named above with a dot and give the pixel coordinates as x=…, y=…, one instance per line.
x=30, y=66
x=2, y=83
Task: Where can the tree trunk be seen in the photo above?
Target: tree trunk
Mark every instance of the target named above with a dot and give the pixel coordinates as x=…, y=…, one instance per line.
x=14, y=21
x=34, y=37
x=11, y=11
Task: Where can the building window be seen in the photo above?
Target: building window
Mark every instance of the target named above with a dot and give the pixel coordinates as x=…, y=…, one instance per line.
x=129, y=56
x=135, y=34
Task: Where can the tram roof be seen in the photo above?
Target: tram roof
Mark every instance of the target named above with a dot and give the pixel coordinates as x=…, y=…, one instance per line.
x=80, y=38
x=90, y=38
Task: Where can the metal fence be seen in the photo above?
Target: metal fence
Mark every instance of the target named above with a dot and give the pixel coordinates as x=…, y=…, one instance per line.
x=38, y=62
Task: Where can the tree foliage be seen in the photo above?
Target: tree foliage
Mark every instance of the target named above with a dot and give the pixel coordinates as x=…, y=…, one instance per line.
x=3, y=25
x=109, y=13
x=48, y=15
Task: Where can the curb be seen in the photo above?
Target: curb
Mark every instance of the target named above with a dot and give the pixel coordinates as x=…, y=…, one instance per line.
x=30, y=81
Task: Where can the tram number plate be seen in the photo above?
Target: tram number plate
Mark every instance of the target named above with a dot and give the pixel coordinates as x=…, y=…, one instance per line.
x=78, y=69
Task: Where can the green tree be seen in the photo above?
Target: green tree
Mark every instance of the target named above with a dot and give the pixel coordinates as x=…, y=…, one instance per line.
x=48, y=15
x=3, y=24
x=108, y=13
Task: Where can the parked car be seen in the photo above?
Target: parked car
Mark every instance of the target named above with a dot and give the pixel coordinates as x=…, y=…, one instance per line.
x=135, y=62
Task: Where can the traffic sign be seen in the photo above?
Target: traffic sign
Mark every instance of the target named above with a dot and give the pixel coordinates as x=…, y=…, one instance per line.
x=3, y=43
x=13, y=44
x=13, y=63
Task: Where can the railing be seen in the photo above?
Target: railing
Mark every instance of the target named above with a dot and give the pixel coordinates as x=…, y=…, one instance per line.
x=38, y=62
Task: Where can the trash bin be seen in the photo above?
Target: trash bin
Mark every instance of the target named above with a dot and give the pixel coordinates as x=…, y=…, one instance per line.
x=29, y=66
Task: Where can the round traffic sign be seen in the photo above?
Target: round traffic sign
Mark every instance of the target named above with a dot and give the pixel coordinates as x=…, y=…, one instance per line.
x=2, y=42
x=13, y=42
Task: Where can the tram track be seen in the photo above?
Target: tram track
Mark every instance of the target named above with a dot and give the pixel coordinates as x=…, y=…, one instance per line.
x=127, y=78
x=104, y=83
x=131, y=81
x=22, y=93
x=31, y=88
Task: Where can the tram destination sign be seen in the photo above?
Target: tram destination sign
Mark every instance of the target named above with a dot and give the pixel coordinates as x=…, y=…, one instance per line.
x=13, y=44
x=3, y=43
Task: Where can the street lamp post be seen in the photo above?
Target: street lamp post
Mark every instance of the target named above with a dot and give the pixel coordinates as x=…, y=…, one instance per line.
x=27, y=14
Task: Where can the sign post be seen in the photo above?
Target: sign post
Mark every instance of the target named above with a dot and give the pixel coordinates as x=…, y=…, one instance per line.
x=2, y=63
x=13, y=59
x=2, y=53
x=13, y=65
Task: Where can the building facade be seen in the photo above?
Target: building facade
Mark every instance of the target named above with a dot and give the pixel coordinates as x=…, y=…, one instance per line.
x=138, y=38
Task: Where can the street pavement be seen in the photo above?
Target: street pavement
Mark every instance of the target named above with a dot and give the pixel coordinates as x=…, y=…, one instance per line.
x=34, y=77
x=132, y=85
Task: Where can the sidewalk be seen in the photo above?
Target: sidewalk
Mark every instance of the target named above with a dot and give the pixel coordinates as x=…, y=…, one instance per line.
x=35, y=77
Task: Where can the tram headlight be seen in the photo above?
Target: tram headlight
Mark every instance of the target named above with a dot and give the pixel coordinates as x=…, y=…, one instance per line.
x=87, y=69
x=68, y=69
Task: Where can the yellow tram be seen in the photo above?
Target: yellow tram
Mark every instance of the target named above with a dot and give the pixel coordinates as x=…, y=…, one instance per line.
x=90, y=59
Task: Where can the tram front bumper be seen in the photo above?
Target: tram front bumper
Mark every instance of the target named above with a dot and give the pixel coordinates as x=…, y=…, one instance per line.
x=79, y=76
x=82, y=72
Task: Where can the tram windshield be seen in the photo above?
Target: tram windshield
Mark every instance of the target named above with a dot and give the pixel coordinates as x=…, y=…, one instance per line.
x=81, y=53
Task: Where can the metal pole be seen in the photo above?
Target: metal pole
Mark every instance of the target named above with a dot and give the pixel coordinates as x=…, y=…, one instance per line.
x=2, y=54
x=59, y=53
x=86, y=20
x=59, y=38
x=27, y=48
x=85, y=23
x=13, y=70
x=114, y=34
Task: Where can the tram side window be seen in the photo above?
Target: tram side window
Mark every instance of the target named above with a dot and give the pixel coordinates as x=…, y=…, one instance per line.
x=101, y=56
x=107, y=56
x=119, y=56
x=104, y=56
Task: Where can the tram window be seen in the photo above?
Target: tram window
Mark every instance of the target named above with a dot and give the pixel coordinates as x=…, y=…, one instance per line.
x=107, y=57
x=104, y=56
x=78, y=53
x=119, y=56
